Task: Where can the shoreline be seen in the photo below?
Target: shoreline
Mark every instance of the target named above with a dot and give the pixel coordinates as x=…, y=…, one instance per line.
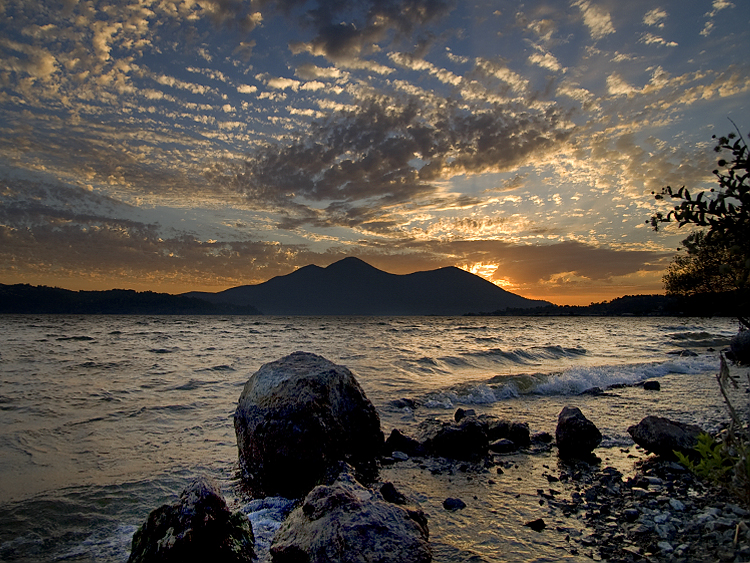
x=629, y=506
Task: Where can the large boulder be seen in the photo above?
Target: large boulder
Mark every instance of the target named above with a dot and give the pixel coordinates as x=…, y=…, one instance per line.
x=576, y=435
x=199, y=527
x=663, y=437
x=296, y=419
x=348, y=523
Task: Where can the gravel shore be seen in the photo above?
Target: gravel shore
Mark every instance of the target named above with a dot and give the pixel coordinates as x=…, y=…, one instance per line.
x=661, y=513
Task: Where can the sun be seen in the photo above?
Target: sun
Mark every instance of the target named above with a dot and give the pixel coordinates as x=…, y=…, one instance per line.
x=487, y=270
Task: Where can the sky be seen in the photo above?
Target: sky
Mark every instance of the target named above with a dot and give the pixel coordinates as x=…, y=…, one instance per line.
x=179, y=145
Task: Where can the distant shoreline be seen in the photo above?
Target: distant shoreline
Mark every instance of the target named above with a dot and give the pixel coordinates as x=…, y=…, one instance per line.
x=25, y=299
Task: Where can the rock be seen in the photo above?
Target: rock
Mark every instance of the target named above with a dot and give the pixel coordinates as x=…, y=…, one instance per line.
x=740, y=347
x=518, y=432
x=631, y=514
x=576, y=435
x=199, y=527
x=537, y=525
x=652, y=386
x=296, y=419
x=683, y=353
x=399, y=442
x=662, y=436
x=391, y=494
x=465, y=440
x=503, y=446
x=454, y=504
x=676, y=504
x=404, y=403
x=400, y=456
x=348, y=523
x=542, y=437
x=665, y=546
x=463, y=413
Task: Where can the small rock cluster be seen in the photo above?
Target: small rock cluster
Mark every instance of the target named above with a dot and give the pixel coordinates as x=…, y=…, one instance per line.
x=467, y=437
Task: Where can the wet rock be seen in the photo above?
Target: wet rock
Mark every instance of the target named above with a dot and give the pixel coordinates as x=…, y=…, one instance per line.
x=662, y=436
x=390, y=494
x=297, y=418
x=652, y=386
x=498, y=429
x=631, y=514
x=463, y=413
x=464, y=440
x=199, y=527
x=400, y=442
x=503, y=446
x=400, y=456
x=454, y=504
x=576, y=435
x=542, y=437
x=348, y=523
x=537, y=525
x=404, y=403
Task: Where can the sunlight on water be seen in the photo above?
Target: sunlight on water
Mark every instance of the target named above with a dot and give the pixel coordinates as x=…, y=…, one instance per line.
x=104, y=418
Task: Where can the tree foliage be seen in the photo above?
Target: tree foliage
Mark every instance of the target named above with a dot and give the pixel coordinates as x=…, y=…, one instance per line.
x=717, y=257
x=702, y=269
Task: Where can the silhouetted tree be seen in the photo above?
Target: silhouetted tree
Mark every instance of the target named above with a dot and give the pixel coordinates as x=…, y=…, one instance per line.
x=718, y=257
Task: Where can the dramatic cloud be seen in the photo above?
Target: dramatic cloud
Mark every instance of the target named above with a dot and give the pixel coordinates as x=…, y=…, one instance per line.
x=186, y=145
x=389, y=152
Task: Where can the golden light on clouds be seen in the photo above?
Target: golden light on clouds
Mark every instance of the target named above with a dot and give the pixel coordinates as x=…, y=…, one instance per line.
x=221, y=143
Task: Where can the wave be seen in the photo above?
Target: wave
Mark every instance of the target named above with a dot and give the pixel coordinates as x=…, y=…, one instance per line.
x=494, y=357
x=698, y=339
x=570, y=381
x=222, y=367
x=266, y=516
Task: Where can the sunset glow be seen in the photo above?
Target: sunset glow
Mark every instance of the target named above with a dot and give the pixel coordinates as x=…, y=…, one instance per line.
x=176, y=146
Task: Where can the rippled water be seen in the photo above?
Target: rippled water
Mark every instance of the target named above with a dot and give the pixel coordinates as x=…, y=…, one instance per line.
x=104, y=418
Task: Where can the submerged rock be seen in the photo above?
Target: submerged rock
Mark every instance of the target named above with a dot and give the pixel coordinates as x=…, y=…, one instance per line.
x=576, y=435
x=348, y=523
x=199, y=527
x=662, y=436
x=297, y=418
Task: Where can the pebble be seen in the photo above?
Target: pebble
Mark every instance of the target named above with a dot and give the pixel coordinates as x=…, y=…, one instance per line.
x=400, y=456
x=676, y=504
x=454, y=504
x=665, y=546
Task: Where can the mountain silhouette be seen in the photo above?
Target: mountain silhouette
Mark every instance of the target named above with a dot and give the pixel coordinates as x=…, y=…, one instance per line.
x=353, y=287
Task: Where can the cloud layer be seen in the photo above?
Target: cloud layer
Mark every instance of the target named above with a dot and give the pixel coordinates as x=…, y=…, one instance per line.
x=198, y=145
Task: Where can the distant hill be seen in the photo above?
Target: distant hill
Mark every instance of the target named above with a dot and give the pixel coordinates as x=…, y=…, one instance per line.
x=353, y=287
x=28, y=299
x=702, y=305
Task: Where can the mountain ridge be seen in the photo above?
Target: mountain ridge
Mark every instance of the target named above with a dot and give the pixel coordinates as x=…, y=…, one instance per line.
x=351, y=286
